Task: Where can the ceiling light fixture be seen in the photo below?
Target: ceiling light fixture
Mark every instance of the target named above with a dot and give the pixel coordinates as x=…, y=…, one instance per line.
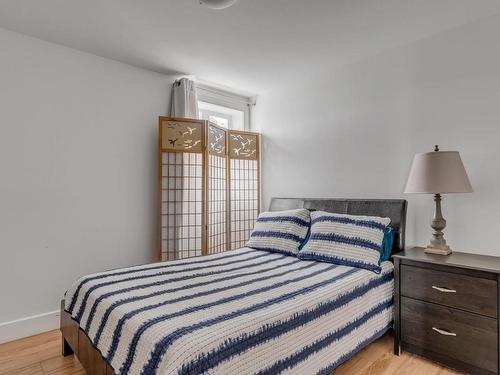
x=217, y=4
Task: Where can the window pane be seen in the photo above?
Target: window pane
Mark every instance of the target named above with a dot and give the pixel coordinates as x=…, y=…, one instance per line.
x=223, y=116
x=221, y=121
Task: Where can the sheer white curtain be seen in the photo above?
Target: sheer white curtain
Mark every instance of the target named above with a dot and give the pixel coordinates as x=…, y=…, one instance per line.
x=184, y=101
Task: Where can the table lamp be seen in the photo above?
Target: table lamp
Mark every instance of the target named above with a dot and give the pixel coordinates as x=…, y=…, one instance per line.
x=438, y=172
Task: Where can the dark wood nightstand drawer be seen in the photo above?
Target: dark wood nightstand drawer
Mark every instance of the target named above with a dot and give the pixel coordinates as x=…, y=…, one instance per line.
x=450, y=333
x=463, y=292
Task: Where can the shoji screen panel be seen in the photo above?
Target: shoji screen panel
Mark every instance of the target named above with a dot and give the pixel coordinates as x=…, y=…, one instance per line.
x=182, y=186
x=244, y=185
x=209, y=187
x=217, y=197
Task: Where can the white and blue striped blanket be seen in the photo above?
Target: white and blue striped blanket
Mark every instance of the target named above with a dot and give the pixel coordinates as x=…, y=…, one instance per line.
x=240, y=312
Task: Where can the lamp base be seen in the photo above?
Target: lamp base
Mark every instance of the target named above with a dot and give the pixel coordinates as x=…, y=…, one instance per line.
x=438, y=244
x=440, y=251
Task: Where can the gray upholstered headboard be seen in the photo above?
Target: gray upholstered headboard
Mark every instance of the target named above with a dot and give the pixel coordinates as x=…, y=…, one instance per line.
x=395, y=209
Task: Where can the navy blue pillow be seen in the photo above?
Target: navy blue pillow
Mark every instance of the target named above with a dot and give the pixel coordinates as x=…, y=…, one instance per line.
x=386, y=250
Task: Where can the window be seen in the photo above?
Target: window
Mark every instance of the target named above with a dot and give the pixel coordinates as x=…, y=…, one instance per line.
x=223, y=116
x=226, y=109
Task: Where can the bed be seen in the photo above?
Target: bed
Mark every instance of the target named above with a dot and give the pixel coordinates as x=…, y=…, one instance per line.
x=243, y=311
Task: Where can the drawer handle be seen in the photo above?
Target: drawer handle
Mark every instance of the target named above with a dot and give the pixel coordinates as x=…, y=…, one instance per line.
x=444, y=332
x=444, y=290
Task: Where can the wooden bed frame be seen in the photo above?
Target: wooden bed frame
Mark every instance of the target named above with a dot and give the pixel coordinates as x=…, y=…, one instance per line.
x=75, y=340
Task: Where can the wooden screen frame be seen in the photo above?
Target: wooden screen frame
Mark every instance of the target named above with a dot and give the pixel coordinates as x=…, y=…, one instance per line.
x=205, y=152
x=206, y=201
x=257, y=158
x=161, y=150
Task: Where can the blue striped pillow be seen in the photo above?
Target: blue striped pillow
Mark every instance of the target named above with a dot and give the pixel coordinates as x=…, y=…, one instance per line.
x=346, y=239
x=280, y=231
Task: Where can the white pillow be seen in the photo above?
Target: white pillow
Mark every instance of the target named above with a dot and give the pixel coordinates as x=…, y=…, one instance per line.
x=345, y=239
x=280, y=231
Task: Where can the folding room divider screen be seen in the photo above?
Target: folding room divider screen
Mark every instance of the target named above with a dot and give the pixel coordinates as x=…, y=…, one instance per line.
x=209, y=187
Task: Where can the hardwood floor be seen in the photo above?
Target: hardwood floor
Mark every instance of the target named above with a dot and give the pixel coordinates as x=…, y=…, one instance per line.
x=41, y=355
x=37, y=355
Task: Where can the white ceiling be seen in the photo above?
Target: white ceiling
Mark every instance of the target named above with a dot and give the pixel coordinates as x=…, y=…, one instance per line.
x=251, y=46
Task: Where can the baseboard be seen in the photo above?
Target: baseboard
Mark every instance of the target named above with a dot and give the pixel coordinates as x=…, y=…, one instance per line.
x=29, y=326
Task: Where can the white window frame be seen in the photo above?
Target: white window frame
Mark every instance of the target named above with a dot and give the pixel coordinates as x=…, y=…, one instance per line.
x=234, y=117
x=212, y=95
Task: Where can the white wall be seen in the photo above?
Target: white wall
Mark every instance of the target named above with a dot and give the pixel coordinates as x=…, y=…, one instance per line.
x=77, y=172
x=353, y=132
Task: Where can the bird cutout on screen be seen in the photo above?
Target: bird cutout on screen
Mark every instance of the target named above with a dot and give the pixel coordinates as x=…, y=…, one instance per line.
x=217, y=144
x=189, y=131
x=237, y=137
x=188, y=146
x=214, y=146
x=245, y=144
x=172, y=141
x=247, y=153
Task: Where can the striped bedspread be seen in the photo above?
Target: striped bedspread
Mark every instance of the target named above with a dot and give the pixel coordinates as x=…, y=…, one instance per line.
x=240, y=312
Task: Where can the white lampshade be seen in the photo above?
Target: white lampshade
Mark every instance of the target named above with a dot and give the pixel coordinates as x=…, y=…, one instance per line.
x=438, y=172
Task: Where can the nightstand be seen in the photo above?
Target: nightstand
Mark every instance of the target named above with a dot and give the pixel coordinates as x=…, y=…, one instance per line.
x=446, y=309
